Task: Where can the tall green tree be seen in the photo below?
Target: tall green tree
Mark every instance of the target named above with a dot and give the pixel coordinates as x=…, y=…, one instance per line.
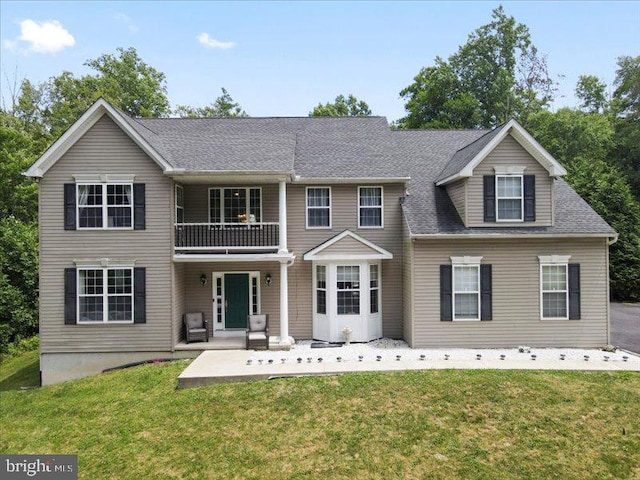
x=222, y=107
x=582, y=142
x=625, y=106
x=591, y=91
x=123, y=79
x=496, y=75
x=342, y=106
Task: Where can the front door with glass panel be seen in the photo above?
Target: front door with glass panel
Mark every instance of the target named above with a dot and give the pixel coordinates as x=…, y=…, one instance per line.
x=236, y=301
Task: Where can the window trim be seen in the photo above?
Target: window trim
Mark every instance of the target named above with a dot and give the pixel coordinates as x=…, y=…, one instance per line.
x=381, y=207
x=307, y=207
x=521, y=198
x=459, y=262
x=105, y=295
x=248, y=205
x=554, y=262
x=181, y=207
x=105, y=205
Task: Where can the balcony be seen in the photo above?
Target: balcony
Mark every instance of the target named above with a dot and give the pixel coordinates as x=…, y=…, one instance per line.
x=226, y=237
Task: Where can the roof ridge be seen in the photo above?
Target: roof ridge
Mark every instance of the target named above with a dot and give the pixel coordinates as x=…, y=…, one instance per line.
x=265, y=118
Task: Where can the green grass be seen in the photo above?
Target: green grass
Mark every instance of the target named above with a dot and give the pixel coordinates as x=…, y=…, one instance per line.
x=19, y=370
x=134, y=424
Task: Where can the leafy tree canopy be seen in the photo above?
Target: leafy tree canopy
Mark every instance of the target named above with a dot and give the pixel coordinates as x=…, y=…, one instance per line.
x=124, y=80
x=592, y=93
x=498, y=74
x=342, y=106
x=224, y=106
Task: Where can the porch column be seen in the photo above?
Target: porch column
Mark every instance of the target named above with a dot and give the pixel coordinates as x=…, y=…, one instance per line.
x=284, y=303
x=282, y=210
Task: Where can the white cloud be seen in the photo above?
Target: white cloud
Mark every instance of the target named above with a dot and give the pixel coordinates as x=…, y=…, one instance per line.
x=43, y=37
x=127, y=20
x=207, y=42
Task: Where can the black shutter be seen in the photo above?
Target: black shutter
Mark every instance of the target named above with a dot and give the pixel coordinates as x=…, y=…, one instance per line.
x=69, y=206
x=489, y=198
x=138, y=206
x=529, y=198
x=446, y=308
x=574, y=291
x=140, y=289
x=485, y=293
x=70, y=285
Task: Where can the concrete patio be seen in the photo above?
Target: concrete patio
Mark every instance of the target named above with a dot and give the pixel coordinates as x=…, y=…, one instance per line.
x=248, y=365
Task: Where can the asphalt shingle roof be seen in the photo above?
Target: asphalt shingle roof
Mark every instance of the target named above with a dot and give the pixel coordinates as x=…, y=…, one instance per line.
x=352, y=147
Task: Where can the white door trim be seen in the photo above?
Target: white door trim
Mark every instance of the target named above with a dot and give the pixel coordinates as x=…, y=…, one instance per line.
x=219, y=328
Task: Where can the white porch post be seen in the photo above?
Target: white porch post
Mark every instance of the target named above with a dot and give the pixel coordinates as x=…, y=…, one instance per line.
x=284, y=303
x=282, y=209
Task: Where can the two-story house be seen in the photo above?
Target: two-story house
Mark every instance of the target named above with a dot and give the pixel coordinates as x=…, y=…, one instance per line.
x=443, y=238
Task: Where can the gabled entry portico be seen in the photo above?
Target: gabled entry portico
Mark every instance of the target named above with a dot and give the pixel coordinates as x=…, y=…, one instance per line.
x=347, y=283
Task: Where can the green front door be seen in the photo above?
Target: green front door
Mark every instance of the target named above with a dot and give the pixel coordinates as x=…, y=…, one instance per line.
x=236, y=293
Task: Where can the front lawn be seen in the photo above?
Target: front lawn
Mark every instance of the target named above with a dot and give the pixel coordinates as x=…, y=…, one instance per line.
x=436, y=424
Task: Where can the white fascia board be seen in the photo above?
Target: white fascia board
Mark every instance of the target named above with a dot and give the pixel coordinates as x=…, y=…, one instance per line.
x=349, y=180
x=231, y=257
x=315, y=254
x=228, y=175
x=79, y=128
x=527, y=142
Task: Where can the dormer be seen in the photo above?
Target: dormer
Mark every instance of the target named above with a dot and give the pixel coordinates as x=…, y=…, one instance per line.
x=503, y=179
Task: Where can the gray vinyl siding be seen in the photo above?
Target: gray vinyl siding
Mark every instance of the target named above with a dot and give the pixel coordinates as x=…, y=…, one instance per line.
x=200, y=299
x=348, y=246
x=196, y=202
x=457, y=193
x=509, y=153
x=516, y=294
x=407, y=282
x=344, y=211
x=105, y=149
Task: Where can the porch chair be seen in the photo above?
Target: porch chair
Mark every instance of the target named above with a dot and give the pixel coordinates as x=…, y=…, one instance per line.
x=258, y=330
x=195, y=327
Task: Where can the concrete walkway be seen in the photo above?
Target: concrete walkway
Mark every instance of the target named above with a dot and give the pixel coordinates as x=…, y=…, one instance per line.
x=233, y=366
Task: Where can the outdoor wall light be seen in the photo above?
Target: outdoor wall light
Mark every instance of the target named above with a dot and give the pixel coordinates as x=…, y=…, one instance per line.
x=203, y=279
x=267, y=279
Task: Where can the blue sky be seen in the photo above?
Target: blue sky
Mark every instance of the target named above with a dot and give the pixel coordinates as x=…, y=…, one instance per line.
x=281, y=58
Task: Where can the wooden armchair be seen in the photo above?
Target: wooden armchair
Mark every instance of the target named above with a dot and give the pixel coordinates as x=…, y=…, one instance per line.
x=195, y=327
x=258, y=330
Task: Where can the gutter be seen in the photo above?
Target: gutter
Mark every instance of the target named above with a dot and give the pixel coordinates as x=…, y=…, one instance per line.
x=321, y=180
x=456, y=236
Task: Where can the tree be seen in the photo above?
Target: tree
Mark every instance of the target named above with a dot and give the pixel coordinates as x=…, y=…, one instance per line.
x=342, y=107
x=18, y=281
x=582, y=143
x=124, y=80
x=591, y=92
x=625, y=106
x=498, y=74
x=224, y=106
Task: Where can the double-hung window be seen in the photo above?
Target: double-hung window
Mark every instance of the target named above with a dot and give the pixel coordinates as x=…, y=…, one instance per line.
x=554, y=291
x=370, y=213
x=348, y=289
x=374, y=289
x=466, y=292
x=321, y=289
x=105, y=205
x=318, y=207
x=509, y=198
x=105, y=295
